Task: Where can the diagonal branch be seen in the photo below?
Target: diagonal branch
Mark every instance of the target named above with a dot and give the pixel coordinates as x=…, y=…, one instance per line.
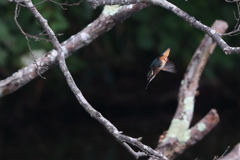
x=106, y=21
x=232, y=155
x=203, y=127
x=197, y=24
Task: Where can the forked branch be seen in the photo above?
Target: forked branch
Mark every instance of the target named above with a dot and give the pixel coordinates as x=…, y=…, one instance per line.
x=123, y=139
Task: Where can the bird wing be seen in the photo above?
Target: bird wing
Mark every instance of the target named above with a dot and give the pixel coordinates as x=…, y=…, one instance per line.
x=169, y=67
x=156, y=63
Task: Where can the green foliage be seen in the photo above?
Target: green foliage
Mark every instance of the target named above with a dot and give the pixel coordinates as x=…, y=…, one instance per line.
x=13, y=42
x=3, y=57
x=75, y=63
x=144, y=38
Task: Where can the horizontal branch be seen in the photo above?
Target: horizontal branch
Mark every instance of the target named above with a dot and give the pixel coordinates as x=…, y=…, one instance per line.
x=97, y=3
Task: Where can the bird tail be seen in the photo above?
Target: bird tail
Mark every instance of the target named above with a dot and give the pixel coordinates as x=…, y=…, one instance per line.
x=147, y=84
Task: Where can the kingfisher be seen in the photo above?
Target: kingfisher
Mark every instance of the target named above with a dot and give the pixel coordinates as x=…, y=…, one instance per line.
x=158, y=64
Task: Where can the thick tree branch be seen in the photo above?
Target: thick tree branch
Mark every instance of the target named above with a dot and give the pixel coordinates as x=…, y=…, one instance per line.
x=110, y=16
x=97, y=3
x=203, y=127
x=179, y=136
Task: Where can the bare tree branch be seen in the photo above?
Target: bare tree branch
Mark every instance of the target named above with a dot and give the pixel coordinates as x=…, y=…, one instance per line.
x=110, y=16
x=224, y=153
x=17, y=10
x=236, y=30
x=203, y=127
x=97, y=3
x=171, y=7
x=37, y=38
x=135, y=154
x=232, y=1
x=179, y=136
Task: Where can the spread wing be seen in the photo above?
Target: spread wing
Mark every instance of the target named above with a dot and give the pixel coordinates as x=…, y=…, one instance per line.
x=169, y=67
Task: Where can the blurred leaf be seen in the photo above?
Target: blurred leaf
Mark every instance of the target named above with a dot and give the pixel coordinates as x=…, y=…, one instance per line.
x=75, y=64
x=4, y=32
x=3, y=56
x=144, y=38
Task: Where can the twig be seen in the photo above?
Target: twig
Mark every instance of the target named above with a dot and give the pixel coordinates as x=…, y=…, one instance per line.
x=233, y=154
x=224, y=153
x=60, y=4
x=27, y=35
x=236, y=30
x=17, y=11
x=135, y=154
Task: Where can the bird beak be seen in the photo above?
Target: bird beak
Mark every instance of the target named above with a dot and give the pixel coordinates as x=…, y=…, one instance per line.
x=166, y=53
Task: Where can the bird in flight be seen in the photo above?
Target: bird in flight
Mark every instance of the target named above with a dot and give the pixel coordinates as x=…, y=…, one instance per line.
x=158, y=64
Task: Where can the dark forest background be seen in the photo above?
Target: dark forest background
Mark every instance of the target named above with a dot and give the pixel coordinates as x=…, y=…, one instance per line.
x=43, y=120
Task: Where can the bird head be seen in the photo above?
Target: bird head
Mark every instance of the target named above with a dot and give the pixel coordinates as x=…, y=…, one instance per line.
x=164, y=55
